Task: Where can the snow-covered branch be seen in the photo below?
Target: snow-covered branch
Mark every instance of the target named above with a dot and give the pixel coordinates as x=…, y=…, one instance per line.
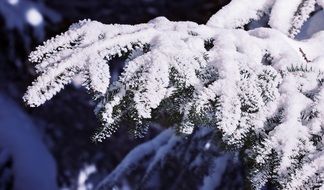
x=285, y=16
x=260, y=90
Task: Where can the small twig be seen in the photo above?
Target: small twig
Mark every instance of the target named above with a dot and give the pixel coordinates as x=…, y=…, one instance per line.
x=304, y=55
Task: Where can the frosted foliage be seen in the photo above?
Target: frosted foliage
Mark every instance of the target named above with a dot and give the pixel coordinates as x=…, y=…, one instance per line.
x=259, y=90
x=285, y=16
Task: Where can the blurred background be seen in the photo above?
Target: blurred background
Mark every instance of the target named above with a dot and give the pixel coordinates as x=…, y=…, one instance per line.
x=49, y=147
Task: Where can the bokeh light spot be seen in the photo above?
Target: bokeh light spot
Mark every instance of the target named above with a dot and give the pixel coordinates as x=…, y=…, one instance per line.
x=13, y=2
x=34, y=17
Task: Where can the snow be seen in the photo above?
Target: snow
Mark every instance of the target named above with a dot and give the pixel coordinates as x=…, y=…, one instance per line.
x=285, y=16
x=238, y=13
x=313, y=25
x=281, y=18
x=212, y=181
x=134, y=157
x=84, y=175
x=320, y=3
x=99, y=75
x=305, y=173
x=34, y=167
x=240, y=86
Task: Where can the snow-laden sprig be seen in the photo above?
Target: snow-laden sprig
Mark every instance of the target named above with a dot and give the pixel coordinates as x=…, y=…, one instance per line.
x=285, y=16
x=62, y=57
x=260, y=90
